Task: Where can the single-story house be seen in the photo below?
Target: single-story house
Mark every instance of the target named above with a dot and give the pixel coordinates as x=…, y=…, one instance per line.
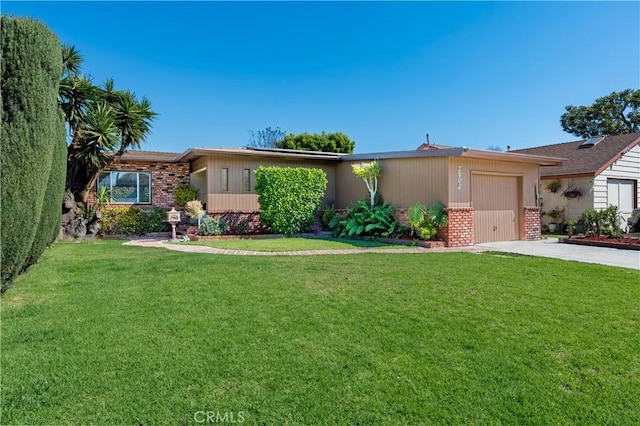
x=490, y=196
x=598, y=172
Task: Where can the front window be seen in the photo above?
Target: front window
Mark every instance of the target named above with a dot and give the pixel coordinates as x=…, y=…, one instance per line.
x=224, y=179
x=127, y=187
x=246, y=180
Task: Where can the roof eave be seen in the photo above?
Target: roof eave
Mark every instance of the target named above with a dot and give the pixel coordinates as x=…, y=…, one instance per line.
x=617, y=156
x=513, y=157
x=193, y=153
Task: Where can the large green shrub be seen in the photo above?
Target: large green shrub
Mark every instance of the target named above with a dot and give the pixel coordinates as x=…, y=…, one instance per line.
x=602, y=222
x=362, y=219
x=184, y=194
x=49, y=226
x=32, y=130
x=289, y=197
x=212, y=226
x=133, y=221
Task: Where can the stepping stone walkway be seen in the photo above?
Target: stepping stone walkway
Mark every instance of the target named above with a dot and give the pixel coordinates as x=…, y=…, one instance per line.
x=212, y=250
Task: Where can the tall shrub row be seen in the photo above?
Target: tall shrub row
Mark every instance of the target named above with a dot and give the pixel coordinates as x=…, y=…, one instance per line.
x=133, y=220
x=289, y=196
x=33, y=149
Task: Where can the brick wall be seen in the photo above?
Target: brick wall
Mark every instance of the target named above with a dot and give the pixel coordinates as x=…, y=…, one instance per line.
x=459, y=230
x=165, y=178
x=239, y=222
x=532, y=224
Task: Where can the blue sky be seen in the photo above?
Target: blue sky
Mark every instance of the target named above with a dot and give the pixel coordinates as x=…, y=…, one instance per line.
x=479, y=74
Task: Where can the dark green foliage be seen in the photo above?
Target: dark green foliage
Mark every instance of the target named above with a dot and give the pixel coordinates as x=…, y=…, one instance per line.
x=289, y=197
x=613, y=114
x=362, y=219
x=328, y=214
x=32, y=131
x=184, y=194
x=133, y=221
x=212, y=226
x=602, y=222
x=49, y=226
x=325, y=142
x=425, y=221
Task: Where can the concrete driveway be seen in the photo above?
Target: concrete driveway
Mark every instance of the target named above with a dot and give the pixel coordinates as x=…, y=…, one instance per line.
x=549, y=247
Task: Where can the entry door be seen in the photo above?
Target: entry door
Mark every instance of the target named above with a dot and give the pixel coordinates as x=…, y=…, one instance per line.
x=620, y=192
x=495, y=203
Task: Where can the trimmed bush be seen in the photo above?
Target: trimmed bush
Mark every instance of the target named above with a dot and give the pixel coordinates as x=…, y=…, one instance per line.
x=289, y=197
x=49, y=226
x=212, y=226
x=133, y=221
x=184, y=194
x=32, y=130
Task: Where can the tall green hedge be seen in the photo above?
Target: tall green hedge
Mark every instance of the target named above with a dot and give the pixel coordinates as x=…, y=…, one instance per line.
x=33, y=153
x=289, y=197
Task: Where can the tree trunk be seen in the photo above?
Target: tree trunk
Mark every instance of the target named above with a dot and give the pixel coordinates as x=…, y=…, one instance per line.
x=79, y=221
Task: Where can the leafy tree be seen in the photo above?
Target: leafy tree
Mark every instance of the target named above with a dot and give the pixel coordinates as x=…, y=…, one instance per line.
x=33, y=143
x=267, y=138
x=325, y=142
x=102, y=123
x=613, y=114
x=369, y=172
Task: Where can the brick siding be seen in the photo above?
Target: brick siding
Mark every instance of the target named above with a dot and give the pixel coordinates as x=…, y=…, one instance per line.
x=165, y=178
x=532, y=224
x=459, y=230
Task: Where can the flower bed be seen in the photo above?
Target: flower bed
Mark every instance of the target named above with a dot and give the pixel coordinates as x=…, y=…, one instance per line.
x=620, y=243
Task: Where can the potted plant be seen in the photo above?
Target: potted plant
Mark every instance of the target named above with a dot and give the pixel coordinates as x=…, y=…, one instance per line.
x=554, y=186
x=571, y=226
x=554, y=214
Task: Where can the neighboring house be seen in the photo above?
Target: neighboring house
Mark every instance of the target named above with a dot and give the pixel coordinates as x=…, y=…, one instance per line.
x=490, y=196
x=605, y=170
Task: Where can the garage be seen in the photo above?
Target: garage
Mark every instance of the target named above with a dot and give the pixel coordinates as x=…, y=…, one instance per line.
x=495, y=199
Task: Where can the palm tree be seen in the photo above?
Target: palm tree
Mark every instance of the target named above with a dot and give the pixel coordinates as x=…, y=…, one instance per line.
x=102, y=123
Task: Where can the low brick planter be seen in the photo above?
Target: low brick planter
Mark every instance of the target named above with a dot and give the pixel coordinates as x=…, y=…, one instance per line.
x=609, y=244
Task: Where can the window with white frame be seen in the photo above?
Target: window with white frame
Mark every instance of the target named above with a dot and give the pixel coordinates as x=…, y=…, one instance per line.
x=127, y=187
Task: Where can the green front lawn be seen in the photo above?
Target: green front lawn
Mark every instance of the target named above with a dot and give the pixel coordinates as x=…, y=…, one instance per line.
x=293, y=244
x=102, y=333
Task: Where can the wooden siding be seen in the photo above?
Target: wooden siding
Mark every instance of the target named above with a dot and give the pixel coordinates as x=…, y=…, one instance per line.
x=627, y=167
x=497, y=207
x=404, y=181
x=236, y=199
x=460, y=195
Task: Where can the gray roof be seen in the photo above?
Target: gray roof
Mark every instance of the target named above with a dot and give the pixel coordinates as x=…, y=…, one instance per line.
x=584, y=161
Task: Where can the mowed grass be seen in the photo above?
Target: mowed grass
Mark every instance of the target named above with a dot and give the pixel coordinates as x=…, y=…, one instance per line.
x=294, y=244
x=102, y=333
